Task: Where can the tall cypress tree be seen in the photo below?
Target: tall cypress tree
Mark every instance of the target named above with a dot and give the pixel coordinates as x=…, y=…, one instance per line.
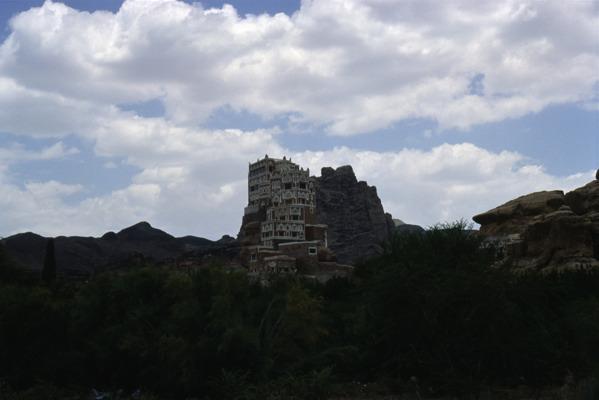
x=49, y=271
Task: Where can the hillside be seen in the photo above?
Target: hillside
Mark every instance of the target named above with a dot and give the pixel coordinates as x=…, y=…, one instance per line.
x=83, y=256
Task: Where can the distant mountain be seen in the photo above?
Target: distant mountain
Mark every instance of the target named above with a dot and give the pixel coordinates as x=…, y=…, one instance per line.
x=83, y=256
x=143, y=232
x=27, y=249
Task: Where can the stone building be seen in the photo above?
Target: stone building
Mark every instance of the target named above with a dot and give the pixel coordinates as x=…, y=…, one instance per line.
x=279, y=232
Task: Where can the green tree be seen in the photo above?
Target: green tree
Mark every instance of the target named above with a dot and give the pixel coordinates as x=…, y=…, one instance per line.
x=299, y=328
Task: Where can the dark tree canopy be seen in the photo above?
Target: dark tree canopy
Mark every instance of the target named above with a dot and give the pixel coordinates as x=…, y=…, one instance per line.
x=429, y=317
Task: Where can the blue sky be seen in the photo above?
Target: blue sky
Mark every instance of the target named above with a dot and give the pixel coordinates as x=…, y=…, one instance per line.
x=151, y=111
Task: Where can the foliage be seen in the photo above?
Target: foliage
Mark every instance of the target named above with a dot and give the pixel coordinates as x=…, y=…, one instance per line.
x=428, y=317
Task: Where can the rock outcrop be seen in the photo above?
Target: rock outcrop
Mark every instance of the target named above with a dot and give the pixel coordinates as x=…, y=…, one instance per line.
x=357, y=223
x=402, y=228
x=514, y=216
x=547, y=231
x=141, y=243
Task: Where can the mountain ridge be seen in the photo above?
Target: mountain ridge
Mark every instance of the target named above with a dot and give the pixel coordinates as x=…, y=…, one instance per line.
x=79, y=255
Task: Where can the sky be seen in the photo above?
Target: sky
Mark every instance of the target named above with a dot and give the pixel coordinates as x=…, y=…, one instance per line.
x=114, y=112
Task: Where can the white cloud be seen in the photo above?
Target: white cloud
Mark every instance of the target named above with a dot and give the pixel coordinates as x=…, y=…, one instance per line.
x=191, y=181
x=38, y=113
x=18, y=153
x=51, y=190
x=354, y=66
x=38, y=207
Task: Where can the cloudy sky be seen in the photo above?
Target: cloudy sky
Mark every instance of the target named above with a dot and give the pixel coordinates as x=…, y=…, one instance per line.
x=114, y=112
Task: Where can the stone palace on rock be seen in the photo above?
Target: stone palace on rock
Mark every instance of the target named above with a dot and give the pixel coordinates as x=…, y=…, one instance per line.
x=279, y=232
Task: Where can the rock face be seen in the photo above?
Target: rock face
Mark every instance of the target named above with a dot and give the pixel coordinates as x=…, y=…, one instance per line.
x=84, y=256
x=357, y=223
x=546, y=231
x=408, y=229
x=513, y=217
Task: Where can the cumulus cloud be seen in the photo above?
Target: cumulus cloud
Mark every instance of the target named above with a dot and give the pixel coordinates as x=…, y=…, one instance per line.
x=353, y=66
x=190, y=181
x=350, y=66
x=45, y=208
x=38, y=206
x=18, y=153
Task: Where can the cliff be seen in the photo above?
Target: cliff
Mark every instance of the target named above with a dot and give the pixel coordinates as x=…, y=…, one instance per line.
x=357, y=223
x=548, y=231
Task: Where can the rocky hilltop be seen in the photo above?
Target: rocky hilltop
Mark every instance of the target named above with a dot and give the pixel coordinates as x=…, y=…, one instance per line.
x=357, y=223
x=84, y=256
x=548, y=231
x=357, y=227
x=352, y=210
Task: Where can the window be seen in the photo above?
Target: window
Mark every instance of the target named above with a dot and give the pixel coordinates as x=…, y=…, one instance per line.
x=253, y=257
x=288, y=186
x=312, y=251
x=302, y=185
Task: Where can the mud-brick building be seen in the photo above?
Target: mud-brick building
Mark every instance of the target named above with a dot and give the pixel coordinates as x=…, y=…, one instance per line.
x=279, y=232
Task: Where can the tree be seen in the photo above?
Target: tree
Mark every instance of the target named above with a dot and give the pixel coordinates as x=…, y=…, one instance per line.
x=49, y=270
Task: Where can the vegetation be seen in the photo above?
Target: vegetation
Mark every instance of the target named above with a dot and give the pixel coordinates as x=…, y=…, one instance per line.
x=429, y=317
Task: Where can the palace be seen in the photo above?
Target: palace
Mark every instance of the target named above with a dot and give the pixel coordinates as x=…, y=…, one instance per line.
x=279, y=231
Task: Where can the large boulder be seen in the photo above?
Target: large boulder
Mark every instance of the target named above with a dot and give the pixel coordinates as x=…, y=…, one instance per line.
x=357, y=223
x=513, y=216
x=585, y=199
x=250, y=232
x=546, y=231
x=559, y=241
